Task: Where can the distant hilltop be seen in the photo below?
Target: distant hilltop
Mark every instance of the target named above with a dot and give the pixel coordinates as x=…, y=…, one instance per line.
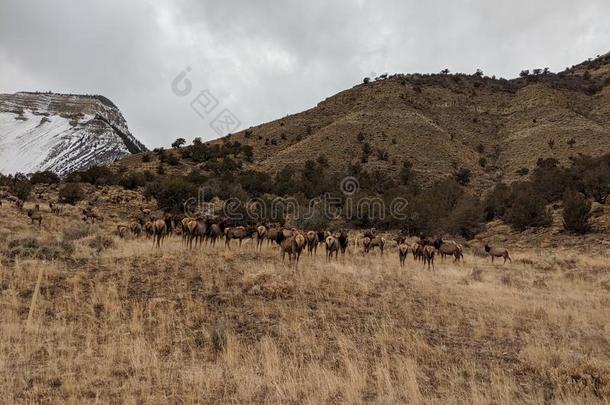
x=61, y=133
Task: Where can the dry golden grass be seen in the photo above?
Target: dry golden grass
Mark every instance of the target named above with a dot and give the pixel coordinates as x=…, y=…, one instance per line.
x=128, y=324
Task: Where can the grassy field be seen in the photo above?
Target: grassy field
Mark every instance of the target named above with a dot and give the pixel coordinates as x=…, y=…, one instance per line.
x=116, y=322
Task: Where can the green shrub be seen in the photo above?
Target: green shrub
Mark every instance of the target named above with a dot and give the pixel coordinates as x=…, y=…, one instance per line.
x=596, y=182
x=406, y=173
x=466, y=218
x=21, y=187
x=497, y=202
x=178, y=143
x=46, y=177
x=101, y=242
x=97, y=175
x=171, y=193
x=133, y=180
x=549, y=179
x=576, y=212
x=314, y=219
x=33, y=248
x=71, y=193
x=76, y=232
x=170, y=158
x=462, y=176
x=527, y=208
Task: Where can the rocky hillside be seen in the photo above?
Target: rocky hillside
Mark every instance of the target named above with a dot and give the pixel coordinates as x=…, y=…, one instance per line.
x=62, y=133
x=496, y=128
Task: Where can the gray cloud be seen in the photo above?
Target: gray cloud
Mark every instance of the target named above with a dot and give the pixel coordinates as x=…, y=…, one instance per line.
x=264, y=60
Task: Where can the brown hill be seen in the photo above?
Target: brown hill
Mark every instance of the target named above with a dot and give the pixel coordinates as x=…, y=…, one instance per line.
x=441, y=123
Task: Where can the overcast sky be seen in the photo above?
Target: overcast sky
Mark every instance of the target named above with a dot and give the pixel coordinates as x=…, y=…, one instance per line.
x=262, y=60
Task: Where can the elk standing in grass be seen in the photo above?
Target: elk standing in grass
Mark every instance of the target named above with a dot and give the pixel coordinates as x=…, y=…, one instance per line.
x=135, y=228
x=184, y=227
x=89, y=214
x=299, y=245
x=312, y=242
x=197, y=230
x=159, y=232
x=428, y=255
x=238, y=232
x=332, y=246
x=35, y=216
x=122, y=231
x=293, y=245
x=55, y=209
x=216, y=231
x=449, y=248
x=149, y=228
x=418, y=251
x=342, y=237
x=403, y=250
x=379, y=242
x=261, y=232
x=497, y=252
x=271, y=235
x=366, y=244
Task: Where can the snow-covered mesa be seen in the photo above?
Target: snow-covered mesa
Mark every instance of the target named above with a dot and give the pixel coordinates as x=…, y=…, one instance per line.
x=62, y=133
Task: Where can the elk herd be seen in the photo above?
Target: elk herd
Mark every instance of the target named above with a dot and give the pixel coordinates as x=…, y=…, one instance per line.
x=205, y=231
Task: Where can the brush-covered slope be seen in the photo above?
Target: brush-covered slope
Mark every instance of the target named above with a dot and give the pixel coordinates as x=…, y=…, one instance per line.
x=444, y=122
x=62, y=133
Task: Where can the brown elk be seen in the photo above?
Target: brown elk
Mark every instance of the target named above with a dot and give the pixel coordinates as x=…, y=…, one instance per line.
x=449, y=248
x=428, y=255
x=377, y=241
x=293, y=245
x=332, y=246
x=89, y=214
x=261, y=234
x=298, y=245
x=135, y=228
x=403, y=250
x=159, y=232
x=184, y=225
x=149, y=228
x=312, y=242
x=122, y=230
x=216, y=231
x=497, y=252
x=366, y=244
x=35, y=216
x=55, y=209
x=271, y=235
x=196, y=231
x=238, y=232
x=342, y=237
x=418, y=251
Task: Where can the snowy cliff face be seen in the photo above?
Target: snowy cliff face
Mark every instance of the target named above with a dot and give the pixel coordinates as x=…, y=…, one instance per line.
x=61, y=133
